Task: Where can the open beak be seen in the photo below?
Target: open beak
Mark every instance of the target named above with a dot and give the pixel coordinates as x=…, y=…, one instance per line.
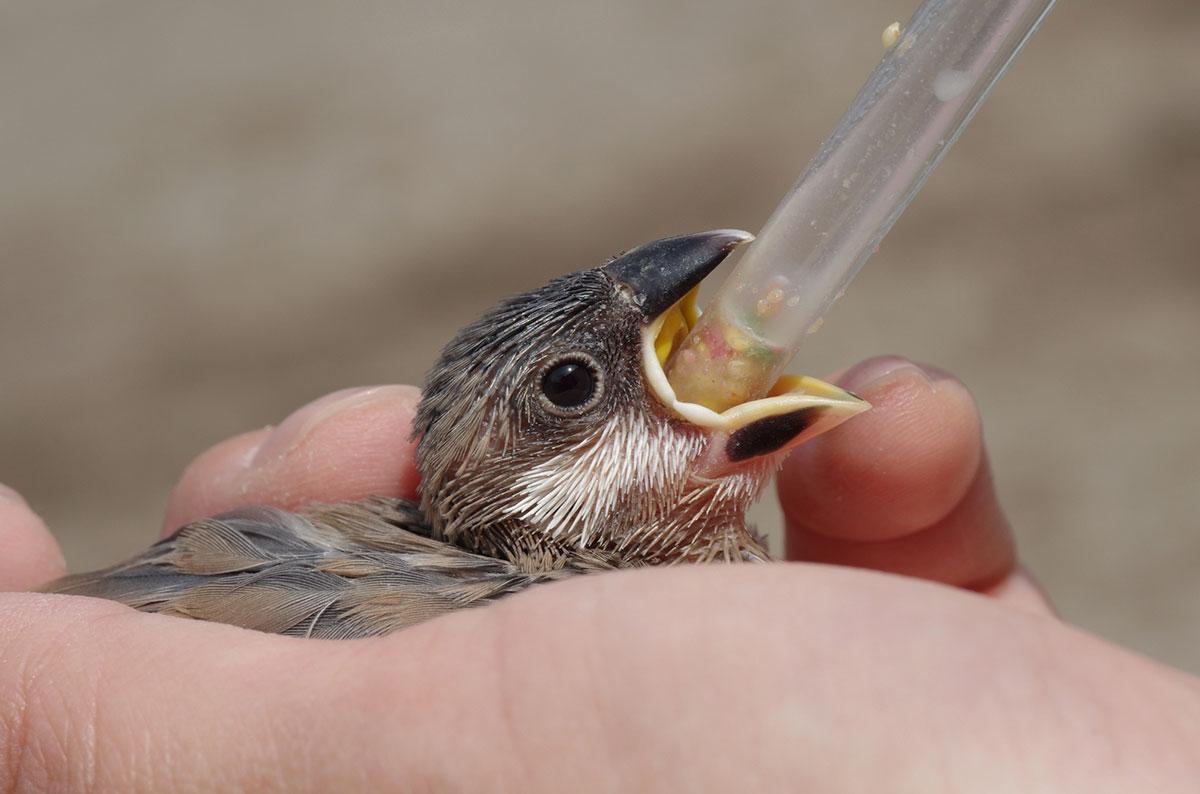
x=665, y=276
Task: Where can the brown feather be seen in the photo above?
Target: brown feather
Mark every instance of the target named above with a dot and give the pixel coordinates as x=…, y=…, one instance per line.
x=345, y=570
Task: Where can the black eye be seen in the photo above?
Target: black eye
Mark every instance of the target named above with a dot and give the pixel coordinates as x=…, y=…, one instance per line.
x=569, y=385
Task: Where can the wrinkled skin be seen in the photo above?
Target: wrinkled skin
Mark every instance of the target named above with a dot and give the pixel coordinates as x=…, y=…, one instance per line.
x=794, y=677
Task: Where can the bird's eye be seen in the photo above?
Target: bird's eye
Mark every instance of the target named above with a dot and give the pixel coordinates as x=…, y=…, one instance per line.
x=571, y=384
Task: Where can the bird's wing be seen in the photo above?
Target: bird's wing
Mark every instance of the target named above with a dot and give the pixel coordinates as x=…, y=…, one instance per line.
x=346, y=570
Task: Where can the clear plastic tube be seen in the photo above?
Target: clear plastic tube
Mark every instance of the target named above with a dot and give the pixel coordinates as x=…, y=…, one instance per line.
x=932, y=79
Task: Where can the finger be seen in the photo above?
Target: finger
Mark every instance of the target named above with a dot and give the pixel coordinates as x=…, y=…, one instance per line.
x=29, y=555
x=575, y=681
x=347, y=445
x=96, y=697
x=904, y=488
x=970, y=547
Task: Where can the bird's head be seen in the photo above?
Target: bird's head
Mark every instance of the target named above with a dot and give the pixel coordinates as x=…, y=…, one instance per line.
x=548, y=427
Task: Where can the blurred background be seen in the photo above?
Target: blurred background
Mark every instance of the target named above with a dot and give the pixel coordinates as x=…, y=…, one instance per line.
x=211, y=213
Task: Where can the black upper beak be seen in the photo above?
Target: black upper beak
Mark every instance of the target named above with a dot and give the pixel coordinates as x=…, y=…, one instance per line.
x=662, y=272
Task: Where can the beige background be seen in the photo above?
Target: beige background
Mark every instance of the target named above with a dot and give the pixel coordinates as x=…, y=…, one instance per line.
x=212, y=212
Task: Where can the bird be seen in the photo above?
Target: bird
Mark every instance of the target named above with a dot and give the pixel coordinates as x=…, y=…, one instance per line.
x=550, y=444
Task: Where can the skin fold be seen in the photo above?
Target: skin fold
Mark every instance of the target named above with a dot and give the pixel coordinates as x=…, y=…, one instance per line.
x=804, y=676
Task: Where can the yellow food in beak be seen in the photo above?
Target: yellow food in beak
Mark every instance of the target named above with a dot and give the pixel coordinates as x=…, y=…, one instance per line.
x=789, y=394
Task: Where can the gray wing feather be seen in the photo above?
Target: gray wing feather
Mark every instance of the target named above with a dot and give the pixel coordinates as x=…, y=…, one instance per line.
x=347, y=570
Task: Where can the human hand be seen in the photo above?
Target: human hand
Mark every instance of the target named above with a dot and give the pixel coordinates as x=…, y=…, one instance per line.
x=744, y=678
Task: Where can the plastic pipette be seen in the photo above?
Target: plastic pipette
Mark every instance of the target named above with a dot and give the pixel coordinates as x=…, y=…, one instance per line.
x=932, y=79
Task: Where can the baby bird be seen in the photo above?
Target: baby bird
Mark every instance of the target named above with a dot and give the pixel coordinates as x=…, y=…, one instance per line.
x=550, y=445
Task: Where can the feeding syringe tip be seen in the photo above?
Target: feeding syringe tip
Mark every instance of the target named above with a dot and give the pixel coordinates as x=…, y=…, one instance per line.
x=934, y=76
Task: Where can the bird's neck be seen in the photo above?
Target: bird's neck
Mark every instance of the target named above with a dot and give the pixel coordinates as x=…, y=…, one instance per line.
x=704, y=523
x=701, y=521
x=627, y=495
x=733, y=543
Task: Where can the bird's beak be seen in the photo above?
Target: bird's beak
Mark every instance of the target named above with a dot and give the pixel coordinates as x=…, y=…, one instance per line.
x=662, y=273
x=665, y=276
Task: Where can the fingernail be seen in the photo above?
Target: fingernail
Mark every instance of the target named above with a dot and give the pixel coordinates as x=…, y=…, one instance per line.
x=875, y=372
x=936, y=374
x=292, y=431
